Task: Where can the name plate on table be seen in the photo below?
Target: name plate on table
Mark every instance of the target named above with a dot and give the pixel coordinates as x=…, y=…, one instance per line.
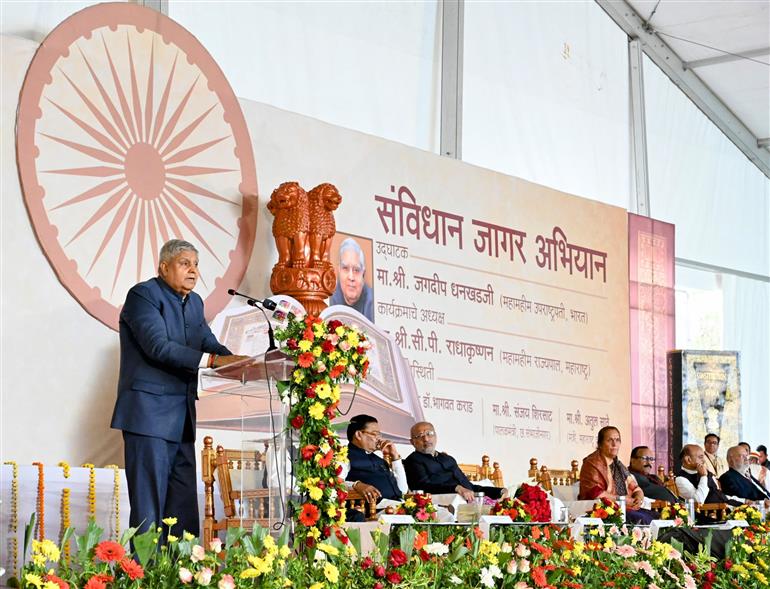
x=737, y=523
x=391, y=519
x=488, y=520
x=582, y=522
x=658, y=524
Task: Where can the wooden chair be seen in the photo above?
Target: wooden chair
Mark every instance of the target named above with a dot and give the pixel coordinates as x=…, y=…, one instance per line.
x=715, y=511
x=357, y=501
x=669, y=480
x=548, y=477
x=242, y=507
x=474, y=472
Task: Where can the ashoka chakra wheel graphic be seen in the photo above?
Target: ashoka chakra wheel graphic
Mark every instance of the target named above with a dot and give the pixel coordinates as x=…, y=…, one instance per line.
x=128, y=134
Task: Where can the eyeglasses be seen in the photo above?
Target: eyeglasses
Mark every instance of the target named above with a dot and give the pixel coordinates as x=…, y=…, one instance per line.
x=376, y=434
x=646, y=458
x=423, y=435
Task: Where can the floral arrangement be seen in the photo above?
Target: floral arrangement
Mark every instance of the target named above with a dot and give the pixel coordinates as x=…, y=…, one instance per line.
x=536, y=502
x=607, y=510
x=530, y=557
x=326, y=354
x=513, y=508
x=675, y=511
x=419, y=506
x=747, y=513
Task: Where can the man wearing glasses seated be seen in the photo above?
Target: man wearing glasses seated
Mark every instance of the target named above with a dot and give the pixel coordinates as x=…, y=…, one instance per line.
x=369, y=474
x=642, y=466
x=437, y=472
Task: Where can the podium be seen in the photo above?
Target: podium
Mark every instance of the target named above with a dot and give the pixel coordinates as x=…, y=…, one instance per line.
x=254, y=481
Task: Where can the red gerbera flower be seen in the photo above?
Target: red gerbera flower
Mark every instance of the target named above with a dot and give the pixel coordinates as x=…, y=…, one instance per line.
x=132, y=568
x=109, y=551
x=95, y=582
x=538, y=576
x=309, y=515
x=305, y=360
x=336, y=371
x=326, y=459
x=60, y=582
x=397, y=557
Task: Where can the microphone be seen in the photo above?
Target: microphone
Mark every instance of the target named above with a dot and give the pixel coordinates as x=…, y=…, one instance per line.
x=261, y=305
x=266, y=303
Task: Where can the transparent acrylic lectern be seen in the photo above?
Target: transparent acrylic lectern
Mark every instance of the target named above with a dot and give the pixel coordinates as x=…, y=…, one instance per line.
x=253, y=481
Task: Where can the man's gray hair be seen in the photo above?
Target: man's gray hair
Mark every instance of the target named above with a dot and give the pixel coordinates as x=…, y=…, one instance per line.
x=351, y=244
x=172, y=248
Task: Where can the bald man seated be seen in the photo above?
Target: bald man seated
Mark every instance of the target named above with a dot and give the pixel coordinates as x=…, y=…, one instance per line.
x=437, y=472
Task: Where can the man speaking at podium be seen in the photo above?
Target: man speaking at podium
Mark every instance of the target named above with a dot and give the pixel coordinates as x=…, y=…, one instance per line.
x=164, y=339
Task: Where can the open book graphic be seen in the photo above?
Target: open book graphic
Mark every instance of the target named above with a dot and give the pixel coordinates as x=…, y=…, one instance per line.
x=389, y=392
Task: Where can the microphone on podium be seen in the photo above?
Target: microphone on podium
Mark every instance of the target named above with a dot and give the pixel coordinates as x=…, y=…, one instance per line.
x=261, y=305
x=266, y=303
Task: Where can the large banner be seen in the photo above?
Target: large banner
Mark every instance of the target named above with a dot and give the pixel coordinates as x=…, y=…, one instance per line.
x=508, y=299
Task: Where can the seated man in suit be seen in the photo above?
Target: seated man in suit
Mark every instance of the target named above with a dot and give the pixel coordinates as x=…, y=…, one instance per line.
x=437, y=472
x=640, y=466
x=369, y=474
x=738, y=480
x=694, y=481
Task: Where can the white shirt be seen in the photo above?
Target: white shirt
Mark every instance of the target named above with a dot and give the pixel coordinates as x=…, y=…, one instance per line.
x=699, y=494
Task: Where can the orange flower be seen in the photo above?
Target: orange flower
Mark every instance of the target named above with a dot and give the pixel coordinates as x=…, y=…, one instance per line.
x=309, y=515
x=306, y=359
x=326, y=459
x=60, y=582
x=421, y=539
x=109, y=551
x=538, y=576
x=95, y=583
x=132, y=568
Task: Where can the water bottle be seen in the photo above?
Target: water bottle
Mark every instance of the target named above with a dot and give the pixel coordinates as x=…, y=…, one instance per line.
x=691, y=509
x=478, y=502
x=622, y=503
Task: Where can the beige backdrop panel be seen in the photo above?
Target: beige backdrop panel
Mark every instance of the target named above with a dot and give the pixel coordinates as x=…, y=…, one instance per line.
x=60, y=365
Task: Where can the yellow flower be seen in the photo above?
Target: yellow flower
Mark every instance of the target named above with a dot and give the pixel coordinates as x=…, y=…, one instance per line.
x=353, y=339
x=323, y=391
x=340, y=331
x=331, y=511
x=315, y=493
x=188, y=537
x=304, y=345
x=409, y=503
x=317, y=351
x=34, y=579
x=350, y=549
x=38, y=560
x=331, y=573
x=170, y=521
x=50, y=585
x=172, y=538
x=316, y=411
x=287, y=583
x=314, y=532
x=334, y=355
x=268, y=542
x=319, y=329
x=317, y=586
x=329, y=549
x=284, y=551
x=298, y=376
x=249, y=574
x=336, y=395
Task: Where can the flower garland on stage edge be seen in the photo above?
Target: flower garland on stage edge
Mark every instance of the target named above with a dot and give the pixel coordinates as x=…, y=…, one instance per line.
x=326, y=354
x=13, y=525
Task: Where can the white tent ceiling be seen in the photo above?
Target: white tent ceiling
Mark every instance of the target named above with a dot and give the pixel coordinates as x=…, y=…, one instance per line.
x=725, y=43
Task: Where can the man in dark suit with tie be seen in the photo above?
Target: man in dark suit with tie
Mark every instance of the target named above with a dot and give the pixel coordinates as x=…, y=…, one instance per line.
x=738, y=480
x=164, y=339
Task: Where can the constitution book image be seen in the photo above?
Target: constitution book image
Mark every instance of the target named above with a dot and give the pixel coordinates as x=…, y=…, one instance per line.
x=705, y=398
x=241, y=397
